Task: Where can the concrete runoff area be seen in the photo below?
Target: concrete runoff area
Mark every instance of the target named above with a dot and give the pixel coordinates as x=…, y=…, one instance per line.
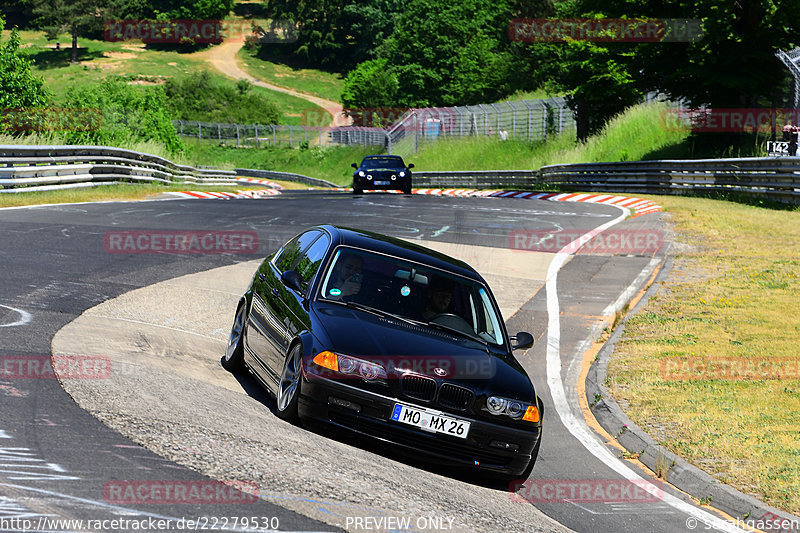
x=168, y=392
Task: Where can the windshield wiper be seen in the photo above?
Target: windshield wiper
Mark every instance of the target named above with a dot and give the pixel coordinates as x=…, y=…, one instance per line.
x=442, y=327
x=374, y=311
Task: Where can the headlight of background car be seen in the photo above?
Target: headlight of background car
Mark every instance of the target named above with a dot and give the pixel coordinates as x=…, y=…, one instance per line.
x=512, y=408
x=361, y=173
x=352, y=366
x=402, y=173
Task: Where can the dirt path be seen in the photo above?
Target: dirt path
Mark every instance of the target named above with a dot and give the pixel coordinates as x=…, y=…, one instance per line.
x=223, y=58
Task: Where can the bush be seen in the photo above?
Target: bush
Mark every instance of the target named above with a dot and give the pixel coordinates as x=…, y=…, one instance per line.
x=20, y=90
x=199, y=97
x=129, y=114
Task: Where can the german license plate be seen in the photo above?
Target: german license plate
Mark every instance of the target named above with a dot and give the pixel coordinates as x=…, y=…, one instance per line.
x=430, y=420
x=381, y=182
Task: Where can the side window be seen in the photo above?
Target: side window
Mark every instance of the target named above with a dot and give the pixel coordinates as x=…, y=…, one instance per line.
x=292, y=251
x=310, y=261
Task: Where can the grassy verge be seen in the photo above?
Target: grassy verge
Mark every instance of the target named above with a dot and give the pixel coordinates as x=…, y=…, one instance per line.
x=123, y=191
x=730, y=304
x=634, y=135
x=305, y=80
x=330, y=163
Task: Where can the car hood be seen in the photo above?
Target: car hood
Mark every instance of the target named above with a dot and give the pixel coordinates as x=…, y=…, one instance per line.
x=402, y=347
x=382, y=169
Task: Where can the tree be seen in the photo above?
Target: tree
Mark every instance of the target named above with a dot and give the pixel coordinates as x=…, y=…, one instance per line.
x=453, y=58
x=337, y=34
x=368, y=89
x=20, y=88
x=73, y=16
x=733, y=64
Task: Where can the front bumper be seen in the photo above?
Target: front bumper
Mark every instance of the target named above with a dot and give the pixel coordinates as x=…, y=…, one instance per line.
x=382, y=183
x=370, y=414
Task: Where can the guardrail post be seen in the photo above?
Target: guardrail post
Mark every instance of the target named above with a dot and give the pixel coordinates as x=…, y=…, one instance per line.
x=544, y=120
x=496, y=110
x=273, y=137
x=530, y=118
x=199, y=129
x=257, y=143
x=219, y=133
x=237, y=136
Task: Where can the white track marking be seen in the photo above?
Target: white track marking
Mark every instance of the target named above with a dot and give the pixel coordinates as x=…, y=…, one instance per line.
x=24, y=317
x=578, y=427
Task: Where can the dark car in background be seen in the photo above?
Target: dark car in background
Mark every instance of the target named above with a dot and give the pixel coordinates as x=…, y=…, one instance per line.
x=391, y=340
x=382, y=172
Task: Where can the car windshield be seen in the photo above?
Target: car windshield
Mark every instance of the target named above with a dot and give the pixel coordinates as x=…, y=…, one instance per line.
x=414, y=292
x=383, y=162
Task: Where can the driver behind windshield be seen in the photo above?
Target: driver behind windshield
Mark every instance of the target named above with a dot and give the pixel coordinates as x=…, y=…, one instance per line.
x=440, y=294
x=346, y=278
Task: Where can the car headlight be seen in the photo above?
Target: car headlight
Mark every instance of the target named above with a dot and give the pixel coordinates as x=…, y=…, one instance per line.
x=512, y=408
x=361, y=173
x=394, y=177
x=351, y=366
x=496, y=406
x=402, y=174
x=369, y=176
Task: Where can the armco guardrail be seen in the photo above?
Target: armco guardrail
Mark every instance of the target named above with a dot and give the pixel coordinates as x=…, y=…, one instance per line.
x=777, y=178
x=286, y=176
x=37, y=168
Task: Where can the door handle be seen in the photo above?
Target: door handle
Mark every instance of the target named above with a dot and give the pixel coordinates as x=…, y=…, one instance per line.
x=262, y=276
x=275, y=292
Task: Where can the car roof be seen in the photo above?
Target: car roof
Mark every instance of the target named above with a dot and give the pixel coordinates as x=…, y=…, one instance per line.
x=382, y=156
x=397, y=247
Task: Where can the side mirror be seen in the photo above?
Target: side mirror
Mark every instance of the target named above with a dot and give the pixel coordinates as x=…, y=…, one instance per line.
x=354, y=165
x=521, y=341
x=292, y=279
x=410, y=166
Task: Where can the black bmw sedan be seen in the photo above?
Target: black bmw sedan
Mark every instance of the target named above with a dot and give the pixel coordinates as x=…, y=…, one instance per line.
x=382, y=172
x=392, y=340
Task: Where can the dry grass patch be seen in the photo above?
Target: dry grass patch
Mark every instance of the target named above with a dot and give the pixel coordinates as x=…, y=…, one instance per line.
x=104, y=193
x=686, y=367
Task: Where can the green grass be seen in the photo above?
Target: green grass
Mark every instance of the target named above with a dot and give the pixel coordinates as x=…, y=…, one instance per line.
x=634, y=135
x=309, y=81
x=141, y=65
x=731, y=297
x=330, y=163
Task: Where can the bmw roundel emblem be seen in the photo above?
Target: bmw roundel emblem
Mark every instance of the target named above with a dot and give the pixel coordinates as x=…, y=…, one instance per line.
x=440, y=372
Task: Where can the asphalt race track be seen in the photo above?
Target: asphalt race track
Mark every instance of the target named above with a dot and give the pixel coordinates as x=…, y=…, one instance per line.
x=197, y=423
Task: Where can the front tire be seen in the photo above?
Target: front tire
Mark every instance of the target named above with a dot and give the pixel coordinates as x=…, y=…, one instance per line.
x=290, y=384
x=233, y=360
x=357, y=191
